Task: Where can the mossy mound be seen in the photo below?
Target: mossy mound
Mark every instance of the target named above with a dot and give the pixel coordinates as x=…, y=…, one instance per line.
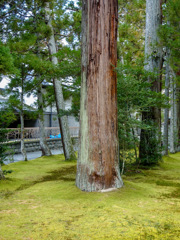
x=39, y=201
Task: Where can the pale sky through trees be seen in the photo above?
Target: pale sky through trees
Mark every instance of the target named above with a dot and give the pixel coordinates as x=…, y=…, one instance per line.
x=28, y=100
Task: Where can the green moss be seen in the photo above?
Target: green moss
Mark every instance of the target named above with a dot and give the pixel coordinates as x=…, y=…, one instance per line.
x=39, y=200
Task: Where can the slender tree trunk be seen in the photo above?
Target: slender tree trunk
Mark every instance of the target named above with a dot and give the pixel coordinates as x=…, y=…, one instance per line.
x=43, y=143
x=42, y=140
x=63, y=122
x=1, y=173
x=134, y=138
x=23, y=150
x=153, y=64
x=178, y=119
x=166, y=111
x=173, y=121
x=98, y=161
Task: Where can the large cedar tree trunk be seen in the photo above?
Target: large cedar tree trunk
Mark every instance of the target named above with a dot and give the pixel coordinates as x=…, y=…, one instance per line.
x=98, y=163
x=149, y=147
x=43, y=143
x=63, y=121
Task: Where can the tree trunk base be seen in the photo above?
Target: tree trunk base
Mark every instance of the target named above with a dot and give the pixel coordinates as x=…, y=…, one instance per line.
x=92, y=181
x=99, y=188
x=1, y=174
x=108, y=190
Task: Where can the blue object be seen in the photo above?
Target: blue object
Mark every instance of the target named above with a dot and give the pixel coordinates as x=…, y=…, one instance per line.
x=58, y=136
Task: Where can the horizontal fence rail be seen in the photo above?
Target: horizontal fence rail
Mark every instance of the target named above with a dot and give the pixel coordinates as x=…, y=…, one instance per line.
x=34, y=133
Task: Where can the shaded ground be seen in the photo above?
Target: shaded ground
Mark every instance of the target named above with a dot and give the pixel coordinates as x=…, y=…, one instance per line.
x=39, y=201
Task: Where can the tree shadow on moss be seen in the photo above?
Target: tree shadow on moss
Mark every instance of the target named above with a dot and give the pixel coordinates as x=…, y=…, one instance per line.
x=66, y=174
x=173, y=194
x=168, y=183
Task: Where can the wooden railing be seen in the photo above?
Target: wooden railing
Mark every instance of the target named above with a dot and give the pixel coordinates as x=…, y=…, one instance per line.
x=33, y=133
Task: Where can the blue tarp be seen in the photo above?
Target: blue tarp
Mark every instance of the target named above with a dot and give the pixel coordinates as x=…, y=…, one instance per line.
x=57, y=136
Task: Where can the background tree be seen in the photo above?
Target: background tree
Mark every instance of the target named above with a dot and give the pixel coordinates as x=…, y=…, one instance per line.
x=29, y=32
x=17, y=90
x=6, y=116
x=43, y=143
x=65, y=134
x=135, y=94
x=131, y=97
x=6, y=61
x=149, y=150
x=170, y=38
x=166, y=110
x=173, y=115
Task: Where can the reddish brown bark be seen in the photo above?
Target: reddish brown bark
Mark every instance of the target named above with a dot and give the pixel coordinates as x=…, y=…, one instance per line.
x=98, y=155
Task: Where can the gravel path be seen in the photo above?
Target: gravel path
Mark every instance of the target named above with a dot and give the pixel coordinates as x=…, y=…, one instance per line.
x=30, y=156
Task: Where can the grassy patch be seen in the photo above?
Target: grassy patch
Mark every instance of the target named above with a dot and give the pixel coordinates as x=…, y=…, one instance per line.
x=39, y=201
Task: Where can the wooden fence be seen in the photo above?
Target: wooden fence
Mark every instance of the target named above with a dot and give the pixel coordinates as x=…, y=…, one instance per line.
x=33, y=133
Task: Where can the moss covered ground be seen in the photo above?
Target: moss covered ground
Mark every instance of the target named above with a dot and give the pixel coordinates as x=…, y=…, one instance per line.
x=39, y=201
